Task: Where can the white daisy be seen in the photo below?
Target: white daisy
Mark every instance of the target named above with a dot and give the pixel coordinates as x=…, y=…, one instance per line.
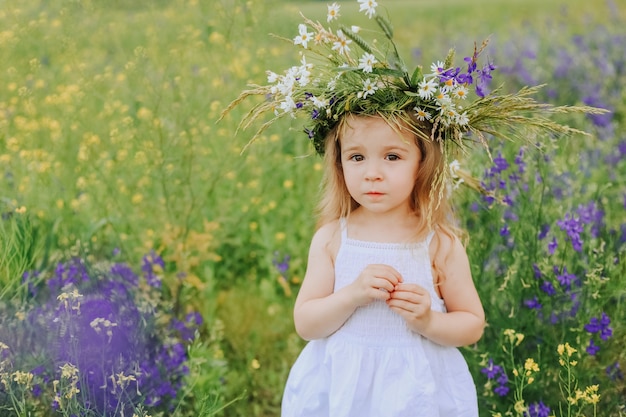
x=367, y=61
x=304, y=37
x=437, y=68
x=272, y=77
x=422, y=114
x=455, y=167
x=332, y=84
x=341, y=44
x=462, y=119
x=427, y=88
x=288, y=105
x=369, y=6
x=369, y=88
x=333, y=12
x=460, y=92
x=319, y=103
x=448, y=86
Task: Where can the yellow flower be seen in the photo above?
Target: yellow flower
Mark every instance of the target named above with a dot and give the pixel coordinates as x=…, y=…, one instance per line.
x=562, y=348
x=68, y=371
x=514, y=337
x=520, y=407
x=531, y=366
x=23, y=378
x=255, y=364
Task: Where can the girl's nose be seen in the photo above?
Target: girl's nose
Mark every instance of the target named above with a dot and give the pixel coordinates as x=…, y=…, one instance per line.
x=373, y=172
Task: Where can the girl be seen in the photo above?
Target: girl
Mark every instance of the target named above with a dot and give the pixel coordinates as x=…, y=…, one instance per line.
x=388, y=292
x=388, y=296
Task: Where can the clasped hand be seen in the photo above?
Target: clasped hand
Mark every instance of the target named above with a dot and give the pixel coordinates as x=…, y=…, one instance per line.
x=383, y=282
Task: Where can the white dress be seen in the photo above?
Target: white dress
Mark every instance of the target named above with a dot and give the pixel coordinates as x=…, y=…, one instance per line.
x=374, y=366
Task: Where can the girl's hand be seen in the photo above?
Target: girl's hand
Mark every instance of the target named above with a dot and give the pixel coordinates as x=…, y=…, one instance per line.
x=375, y=282
x=412, y=302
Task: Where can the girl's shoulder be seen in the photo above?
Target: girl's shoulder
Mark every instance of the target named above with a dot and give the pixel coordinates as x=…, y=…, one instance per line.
x=328, y=237
x=445, y=243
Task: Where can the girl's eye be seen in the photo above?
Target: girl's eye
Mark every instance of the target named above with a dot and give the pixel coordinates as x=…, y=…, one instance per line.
x=393, y=157
x=356, y=158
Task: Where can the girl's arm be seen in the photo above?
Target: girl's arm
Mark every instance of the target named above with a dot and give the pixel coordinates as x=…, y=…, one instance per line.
x=464, y=321
x=319, y=311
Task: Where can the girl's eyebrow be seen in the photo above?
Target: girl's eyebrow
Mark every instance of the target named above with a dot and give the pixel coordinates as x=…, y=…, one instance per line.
x=385, y=149
x=352, y=148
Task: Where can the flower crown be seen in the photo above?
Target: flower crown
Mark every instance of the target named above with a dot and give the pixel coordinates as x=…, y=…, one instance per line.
x=341, y=73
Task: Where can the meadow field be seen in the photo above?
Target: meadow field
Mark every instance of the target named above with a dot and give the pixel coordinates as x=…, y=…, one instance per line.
x=149, y=259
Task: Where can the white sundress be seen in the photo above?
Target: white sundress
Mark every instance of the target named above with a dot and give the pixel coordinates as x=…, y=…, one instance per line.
x=374, y=365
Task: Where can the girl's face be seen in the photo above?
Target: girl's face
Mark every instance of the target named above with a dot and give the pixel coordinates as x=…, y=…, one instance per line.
x=379, y=164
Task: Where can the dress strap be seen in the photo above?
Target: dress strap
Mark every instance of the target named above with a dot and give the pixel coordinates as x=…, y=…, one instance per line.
x=343, y=225
x=429, y=238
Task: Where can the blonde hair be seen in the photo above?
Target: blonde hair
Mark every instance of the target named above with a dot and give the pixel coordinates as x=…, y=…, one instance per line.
x=428, y=200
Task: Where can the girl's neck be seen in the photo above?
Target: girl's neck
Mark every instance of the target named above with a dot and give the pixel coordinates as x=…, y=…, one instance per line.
x=368, y=226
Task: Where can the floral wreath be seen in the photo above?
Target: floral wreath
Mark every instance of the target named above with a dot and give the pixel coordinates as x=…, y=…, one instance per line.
x=341, y=73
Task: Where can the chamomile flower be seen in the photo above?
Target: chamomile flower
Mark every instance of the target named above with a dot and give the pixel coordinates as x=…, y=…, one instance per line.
x=333, y=12
x=304, y=37
x=436, y=68
x=342, y=43
x=427, y=88
x=369, y=88
x=368, y=6
x=448, y=86
x=462, y=119
x=332, y=84
x=422, y=114
x=288, y=105
x=460, y=92
x=272, y=77
x=319, y=103
x=454, y=168
x=442, y=99
x=367, y=61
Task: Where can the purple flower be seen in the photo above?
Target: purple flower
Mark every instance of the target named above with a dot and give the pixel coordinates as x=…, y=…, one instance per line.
x=496, y=372
x=548, y=288
x=601, y=326
x=543, y=232
x=566, y=279
x=149, y=261
x=538, y=410
x=592, y=349
x=590, y=214
x=552, y=245
x=533, y=303
x=500, y=164
x=484, y=78
x=614, y=372
x=105, y=333
x=281, y=265
x=573, y=227
x=124, y=272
